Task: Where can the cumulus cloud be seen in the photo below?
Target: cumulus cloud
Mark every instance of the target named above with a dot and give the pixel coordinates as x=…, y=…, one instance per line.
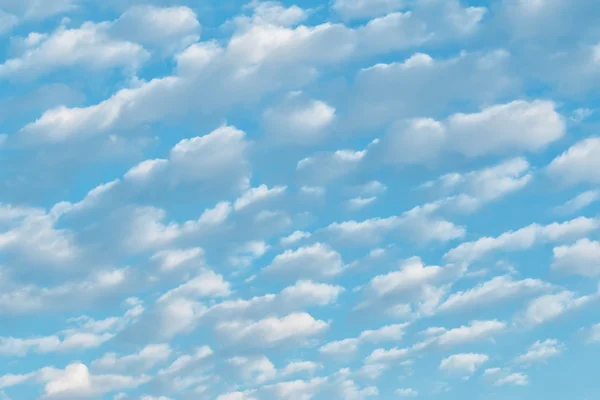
x=466, y=363
x=551, y=306
x=309, y=262
x=512, y=127
x=581, y=258
x=90, y=46
x=498, y=289
x=295, y=328
x=523, y=239
x=578, y=164
x=298, y=120
x=541, y=351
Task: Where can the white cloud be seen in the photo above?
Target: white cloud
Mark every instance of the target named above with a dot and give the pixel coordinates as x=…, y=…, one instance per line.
x=419, y=224
x=186, y=361
x=541, y=351
x=36, y=10
x=497, y=289
x=257, y=369
x=295, y=328
x=579, y=164
x=594, y=334
x=523, y=239
x=90, y=46
x=296, y=367
x=580, y=258
x=257, y=194
x=466, y=363
x=144, y=360
x=486, y=185
x=509, y=128
x=171, y=28
x=7, y=22
x=406, y=392
x=310, y=262
x=298, y=120
x=516, y=379
x=579, y=202
x=294, y=237
x=363, y=9
x=344, y=347
x=548, y=307
x=176, y=258
x=358, y=203
x=474, y=332
x=75, y=381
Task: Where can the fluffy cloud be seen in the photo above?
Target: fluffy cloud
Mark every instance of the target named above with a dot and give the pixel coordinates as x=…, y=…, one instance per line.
x=298, y=120
x=315, y=261
x=142, y=361
x=348, y=346
x=500, y=288
x=548, y=307
x=541, y=351
x=578, y=164
x=474, y=332
x=466, y=363
x=294, y=328
x=512, y=127
x=579, y=202
x=170, y=28
x=582, y=258
x=523, y=238
x=90, y=46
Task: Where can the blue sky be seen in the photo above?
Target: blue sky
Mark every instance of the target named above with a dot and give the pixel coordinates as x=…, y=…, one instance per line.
x=354, y=199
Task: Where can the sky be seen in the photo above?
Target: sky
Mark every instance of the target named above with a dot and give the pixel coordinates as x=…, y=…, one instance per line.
x=263, y=200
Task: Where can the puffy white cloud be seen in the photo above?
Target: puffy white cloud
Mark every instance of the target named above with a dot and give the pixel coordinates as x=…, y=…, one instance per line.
x=465, y=363
x=310, y=262
x=419, y=224
x=474, y=332
x=257, y=369
x=579, y=202
x=406, y=392
x=428, y=86
x=548, y=307
x=205, y=284
x=177, y=258
x=90, y=46
x=75, y=381
x=323, y=168
x=171, y=28
x=257, y=194
x=343, y=347
x=7, y=22
x=36, y=10
x=30, y=299
x=296, y=367
x=580, y=258
x=294, y=237
x=358, y=203
x=579, y=164
x=144, y=360
x=362, y=9
x=541, y=351
x=486, y=185
x=594, y=334
x=185, y=362
x=295, y=328
x=523, y=239
x=497, y=289
x=298, y=120
x=509, y=128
